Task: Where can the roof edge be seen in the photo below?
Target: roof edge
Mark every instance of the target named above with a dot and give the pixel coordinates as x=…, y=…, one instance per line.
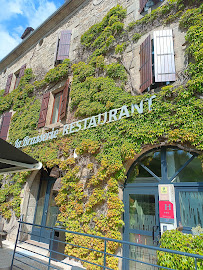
x=59, y=15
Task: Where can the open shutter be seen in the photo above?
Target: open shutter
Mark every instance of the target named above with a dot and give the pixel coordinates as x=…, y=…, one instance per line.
x=8, y=84
x=22, y=71
x=64, y=101
x=142, y=5
x=164, y=62
x=5, y=125
x=145, y=64
x=64, y=45
x=43, y=111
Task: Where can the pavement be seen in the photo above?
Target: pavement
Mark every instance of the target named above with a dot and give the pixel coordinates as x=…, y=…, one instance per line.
x=29, y=256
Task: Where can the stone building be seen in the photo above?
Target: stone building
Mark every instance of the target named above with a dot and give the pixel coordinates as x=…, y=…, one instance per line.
x=153, y=165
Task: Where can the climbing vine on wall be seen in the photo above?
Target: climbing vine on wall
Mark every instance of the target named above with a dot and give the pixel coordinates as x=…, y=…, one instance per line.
x=10, y=194
x=26, y=106
x=93, y=205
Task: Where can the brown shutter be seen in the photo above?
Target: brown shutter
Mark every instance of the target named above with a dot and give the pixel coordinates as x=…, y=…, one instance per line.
x=22, y=71
x=64, y=45
x=64, y=101
x=142, y=5
x=8, y=84
x=43, y=111
x=164, y=62
x=6, y=118
x=145, y=64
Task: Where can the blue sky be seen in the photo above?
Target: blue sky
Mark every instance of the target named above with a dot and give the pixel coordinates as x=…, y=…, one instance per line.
x=16, y=15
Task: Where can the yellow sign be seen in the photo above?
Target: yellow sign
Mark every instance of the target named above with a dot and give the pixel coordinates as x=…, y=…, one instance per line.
x=164, y=190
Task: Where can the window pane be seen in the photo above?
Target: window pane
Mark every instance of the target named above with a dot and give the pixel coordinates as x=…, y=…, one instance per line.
x=191, y=208
x=17, y=80
x=142, y=254
x=40, y=203
x=176, y=159
x=142, y=212
x=153, y=162
x=52, y=209
x=56, y=108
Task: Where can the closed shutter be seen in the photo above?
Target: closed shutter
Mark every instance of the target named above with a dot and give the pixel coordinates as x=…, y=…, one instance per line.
x=164, y=62
x=142, y=5
x=22, y=71
x=64, y=45
x=64, y=101
x=5, y=125
x=43, y=111
x=145, y=64
x=8, y=84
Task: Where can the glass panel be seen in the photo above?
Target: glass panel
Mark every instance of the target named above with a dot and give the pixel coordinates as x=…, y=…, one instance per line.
x=52, y=209
x=191, y=173
x=142, y=254
x=56, y=108
x=17, y=80
x=191, y=208
x=40, y=203
x=153, y=162
x=142, y=212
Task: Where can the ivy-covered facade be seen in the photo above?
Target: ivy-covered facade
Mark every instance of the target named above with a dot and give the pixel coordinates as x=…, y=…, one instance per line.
x=117, y=124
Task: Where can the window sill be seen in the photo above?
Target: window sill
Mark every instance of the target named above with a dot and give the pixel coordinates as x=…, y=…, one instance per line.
x=54, y=125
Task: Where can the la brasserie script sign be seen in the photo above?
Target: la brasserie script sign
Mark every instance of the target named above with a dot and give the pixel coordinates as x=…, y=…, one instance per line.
x=90, y=122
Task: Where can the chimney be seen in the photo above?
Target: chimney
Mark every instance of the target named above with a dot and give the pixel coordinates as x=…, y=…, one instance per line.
x=27, y=32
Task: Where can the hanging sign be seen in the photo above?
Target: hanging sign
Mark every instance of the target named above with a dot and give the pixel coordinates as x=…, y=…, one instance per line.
x=90, y=122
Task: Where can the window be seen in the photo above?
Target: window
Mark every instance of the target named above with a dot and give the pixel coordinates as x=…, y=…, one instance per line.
x=57, y=107
x=63, y=46
x=146, y=4
x=190, y=203
x=180, y=167
x=157, y=62
x=19, y=74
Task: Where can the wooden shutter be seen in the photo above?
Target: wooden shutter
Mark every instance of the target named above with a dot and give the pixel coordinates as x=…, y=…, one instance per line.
x=64, y=101
x=8, y=84
x=164, y=62
x=145, y=64
x=64, y=45
x=43, y=111
x=6, y=118
x=142, y=5
x=22, y=71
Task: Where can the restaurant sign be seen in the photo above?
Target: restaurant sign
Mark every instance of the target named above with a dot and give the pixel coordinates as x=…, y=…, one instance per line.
x=90, y=122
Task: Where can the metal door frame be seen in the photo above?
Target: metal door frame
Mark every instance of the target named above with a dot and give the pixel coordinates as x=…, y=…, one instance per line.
x=145, y=189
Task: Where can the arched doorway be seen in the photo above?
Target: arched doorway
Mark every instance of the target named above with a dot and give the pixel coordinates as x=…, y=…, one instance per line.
x=164, y=189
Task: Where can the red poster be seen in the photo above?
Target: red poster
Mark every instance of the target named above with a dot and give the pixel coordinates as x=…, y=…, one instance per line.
x=166, y=210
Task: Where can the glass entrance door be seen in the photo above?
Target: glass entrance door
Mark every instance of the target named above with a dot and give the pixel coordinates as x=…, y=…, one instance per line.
x=141, y=225
x=46, y=211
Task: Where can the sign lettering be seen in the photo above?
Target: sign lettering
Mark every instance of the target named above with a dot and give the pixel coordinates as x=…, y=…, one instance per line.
x=90, y=122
